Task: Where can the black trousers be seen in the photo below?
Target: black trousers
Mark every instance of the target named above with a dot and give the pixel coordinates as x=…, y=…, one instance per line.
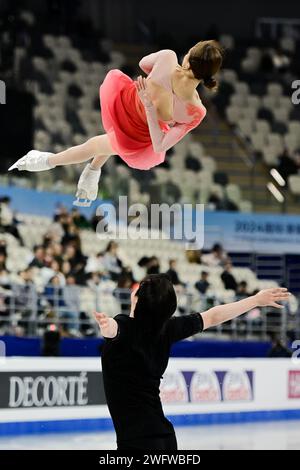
x=165, y=442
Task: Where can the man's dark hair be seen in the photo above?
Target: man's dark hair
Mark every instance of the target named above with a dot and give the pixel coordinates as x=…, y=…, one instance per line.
x=156, y=303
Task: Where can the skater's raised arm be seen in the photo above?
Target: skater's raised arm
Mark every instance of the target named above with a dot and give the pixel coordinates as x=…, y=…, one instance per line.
x=164, y=141
x=147, y=63
x=222, y=313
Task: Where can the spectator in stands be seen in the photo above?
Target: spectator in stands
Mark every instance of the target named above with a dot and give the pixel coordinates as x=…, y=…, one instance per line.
x=48, y=272
x=141, y=267
x=38, y=260
x=71, y=234
x=65, y=267
x=55, y=233
x=25, y=297
x=49, y=254
x=281, y=61
x=278, y=349
x=3, y=248
x=153, y=266
x=95, y=264
x=51, y=342
x=111, y=261
x=242, y=290
x=60, y=211
x=172, y=273
x=6, y=295
x=94, y=280
x=77, y=262
x=55, y=299
x=3, y=258
x=4, y=277
x=194, y=256
x=7, y=220
x=79, y=220
x=71, y=294
x=202, y=285
x=228, y=278
x=57, y=250
x=217, y=256
x=123, y=292
x=53, y=293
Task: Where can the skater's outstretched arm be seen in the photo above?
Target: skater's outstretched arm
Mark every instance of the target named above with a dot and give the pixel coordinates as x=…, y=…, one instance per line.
x=222, y=313
x=164, y=141
x=184, y=326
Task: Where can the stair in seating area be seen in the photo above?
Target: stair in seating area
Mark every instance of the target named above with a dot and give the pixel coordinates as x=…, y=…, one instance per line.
x=232, y=158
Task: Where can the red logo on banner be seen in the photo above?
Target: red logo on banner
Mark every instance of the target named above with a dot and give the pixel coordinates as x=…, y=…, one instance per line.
x=237, y=386
x=205, y=387
x=294, y=384
x=173, y=388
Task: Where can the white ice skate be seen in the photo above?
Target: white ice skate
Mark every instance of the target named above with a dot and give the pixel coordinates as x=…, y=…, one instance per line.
x=33, y=161
x=87, y=188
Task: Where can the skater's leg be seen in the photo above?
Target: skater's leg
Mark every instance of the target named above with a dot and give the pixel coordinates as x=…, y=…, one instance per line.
x=87, y=188
x=98, y=147
x=99, y=161
x=35, y=160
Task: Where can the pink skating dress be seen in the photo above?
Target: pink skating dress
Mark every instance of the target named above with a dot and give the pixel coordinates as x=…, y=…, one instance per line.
x=134, y=131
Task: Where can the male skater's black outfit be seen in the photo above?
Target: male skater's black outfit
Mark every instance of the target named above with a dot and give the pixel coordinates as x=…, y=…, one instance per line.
x=133, y=364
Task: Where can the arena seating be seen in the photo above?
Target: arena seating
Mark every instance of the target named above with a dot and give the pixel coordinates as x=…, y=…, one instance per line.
x=65, y=86
x=261, y=111
x=34, y=228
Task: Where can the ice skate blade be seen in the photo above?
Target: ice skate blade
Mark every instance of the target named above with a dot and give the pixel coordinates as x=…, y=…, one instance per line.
x=81, y=202
x=15, y=166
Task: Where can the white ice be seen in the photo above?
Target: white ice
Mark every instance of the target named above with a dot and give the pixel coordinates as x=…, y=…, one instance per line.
x=283, y=435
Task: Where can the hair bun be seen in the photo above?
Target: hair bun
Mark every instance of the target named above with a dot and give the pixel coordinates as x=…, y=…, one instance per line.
x=210, y=82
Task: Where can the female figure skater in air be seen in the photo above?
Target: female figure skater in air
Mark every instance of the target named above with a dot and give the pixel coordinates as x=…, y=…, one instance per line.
x=136, y=353
x=142, y=118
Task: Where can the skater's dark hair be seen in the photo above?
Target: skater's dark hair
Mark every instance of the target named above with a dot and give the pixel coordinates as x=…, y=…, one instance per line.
x=205, y=61
x=156, y=303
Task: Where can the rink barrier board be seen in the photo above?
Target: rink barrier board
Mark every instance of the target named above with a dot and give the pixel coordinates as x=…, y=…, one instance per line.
x=193, y=391
x=105, y=424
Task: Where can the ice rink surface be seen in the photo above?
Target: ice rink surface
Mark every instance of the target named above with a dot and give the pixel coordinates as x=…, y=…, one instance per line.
x=282, y=435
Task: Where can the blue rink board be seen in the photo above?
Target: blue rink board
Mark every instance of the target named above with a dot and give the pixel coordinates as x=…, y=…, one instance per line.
x=105, y=424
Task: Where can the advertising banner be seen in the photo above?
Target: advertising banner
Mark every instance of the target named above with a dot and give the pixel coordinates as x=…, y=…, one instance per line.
x=265, y=233
x=70, y=390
